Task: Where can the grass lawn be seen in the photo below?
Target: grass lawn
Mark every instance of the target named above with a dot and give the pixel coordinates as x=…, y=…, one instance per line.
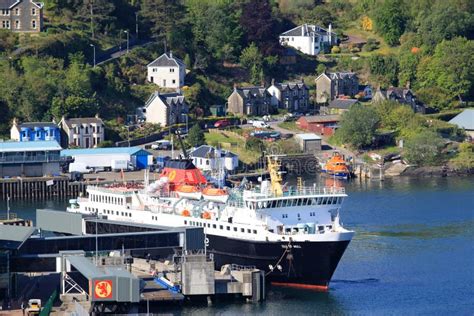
x=237, y=146
x=383, y=49
x=291, y=125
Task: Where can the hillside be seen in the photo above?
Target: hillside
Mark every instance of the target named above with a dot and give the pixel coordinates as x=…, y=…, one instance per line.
x=427, y=44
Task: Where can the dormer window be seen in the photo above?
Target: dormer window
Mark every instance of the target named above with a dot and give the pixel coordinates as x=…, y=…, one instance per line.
x=6, y=12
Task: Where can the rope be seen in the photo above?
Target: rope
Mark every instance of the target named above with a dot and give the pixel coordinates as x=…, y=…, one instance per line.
x=279, y=260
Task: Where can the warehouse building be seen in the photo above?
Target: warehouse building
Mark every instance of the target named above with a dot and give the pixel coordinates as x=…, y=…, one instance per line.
x=29, y=159
x=309, y=143
x=106, y=158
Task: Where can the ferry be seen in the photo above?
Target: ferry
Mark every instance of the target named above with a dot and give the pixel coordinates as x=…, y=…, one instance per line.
x=337, y=167
x=293, y=233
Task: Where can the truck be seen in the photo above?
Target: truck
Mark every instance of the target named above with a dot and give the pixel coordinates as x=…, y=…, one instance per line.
x=34, y=307
x=118, y=165
x=260, y=124
x=79, y=167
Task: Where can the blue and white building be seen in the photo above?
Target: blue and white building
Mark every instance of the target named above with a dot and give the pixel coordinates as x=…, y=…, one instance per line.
x=104, y=158
x=33, y=131
x=29, y=159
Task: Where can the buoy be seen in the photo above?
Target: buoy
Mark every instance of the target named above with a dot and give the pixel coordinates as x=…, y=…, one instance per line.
x=186, y=213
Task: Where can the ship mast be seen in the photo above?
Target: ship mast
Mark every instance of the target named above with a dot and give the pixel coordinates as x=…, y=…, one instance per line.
x=275, y=174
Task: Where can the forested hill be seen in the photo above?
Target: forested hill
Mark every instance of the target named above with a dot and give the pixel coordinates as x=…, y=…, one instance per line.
x=426, y=43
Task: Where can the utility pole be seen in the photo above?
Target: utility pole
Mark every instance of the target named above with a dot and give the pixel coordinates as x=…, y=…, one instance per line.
x=136, y=24
x=93, y=47
x=92, y=18
x=128, y=39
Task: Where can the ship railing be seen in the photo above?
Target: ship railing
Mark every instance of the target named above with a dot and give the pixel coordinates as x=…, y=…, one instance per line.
x=305, y=191
x=109, y=189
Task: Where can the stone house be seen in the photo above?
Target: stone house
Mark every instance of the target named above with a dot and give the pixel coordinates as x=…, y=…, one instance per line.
x=249, y=101
x=292, y=96
x=164, y=109
x=21, y=15
x=309, y=39
x=167, y=71
x=400, y=95
x=87, y=132
x=333, y=85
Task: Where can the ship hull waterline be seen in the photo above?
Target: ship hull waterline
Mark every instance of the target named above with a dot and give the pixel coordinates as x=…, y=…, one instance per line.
x=307, y=265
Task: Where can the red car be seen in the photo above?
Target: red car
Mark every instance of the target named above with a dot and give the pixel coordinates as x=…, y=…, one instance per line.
x=222, y=124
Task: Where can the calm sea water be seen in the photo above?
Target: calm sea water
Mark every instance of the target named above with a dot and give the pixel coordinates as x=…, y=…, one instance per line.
x=413, y=254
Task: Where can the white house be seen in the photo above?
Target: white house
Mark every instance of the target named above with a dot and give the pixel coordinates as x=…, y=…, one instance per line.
x=167, y=71
x=85, y=132
x=164, y=109
x=309, y=39
x=208, y=158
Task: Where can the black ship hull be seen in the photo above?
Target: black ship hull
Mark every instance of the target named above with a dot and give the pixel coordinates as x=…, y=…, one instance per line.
x=301, y=264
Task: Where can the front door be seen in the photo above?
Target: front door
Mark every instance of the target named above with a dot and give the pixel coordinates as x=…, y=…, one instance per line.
x=87, y=142
x=151, y=79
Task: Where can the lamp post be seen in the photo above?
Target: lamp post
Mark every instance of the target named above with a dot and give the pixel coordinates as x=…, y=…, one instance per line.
x=128, y=39
x=93, y=47
x=136, y=24
x=120, y=41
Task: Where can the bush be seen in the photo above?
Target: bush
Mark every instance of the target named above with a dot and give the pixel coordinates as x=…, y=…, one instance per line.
x=424, y=148
x=254, y=144
x=335, y=50
x=371, y=45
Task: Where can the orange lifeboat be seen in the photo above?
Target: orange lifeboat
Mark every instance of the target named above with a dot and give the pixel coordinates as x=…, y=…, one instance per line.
x=215, y=194
x=186, y=213
x=337, y=167
x=188, y=191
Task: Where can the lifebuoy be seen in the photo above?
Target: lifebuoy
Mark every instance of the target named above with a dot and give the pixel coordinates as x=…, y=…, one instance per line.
x=186, y=213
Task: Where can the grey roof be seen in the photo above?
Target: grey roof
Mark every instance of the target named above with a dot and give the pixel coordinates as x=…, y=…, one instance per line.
x=256, y=92
x=12, y=237
x=167, y=98
x=344, y=104
x=205, y=151
x=37, y=124
x=291, y=86
x=7, y=4
x=465, y=119
x=308, y=136
x=37, y=145
x=83, y=120
x=342, y=75
x=167, y=60
x=306, y=30
x=321, y=118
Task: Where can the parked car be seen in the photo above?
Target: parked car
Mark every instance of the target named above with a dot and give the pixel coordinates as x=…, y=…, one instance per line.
x=222, y=123
x=260, y=124
x=161, y=145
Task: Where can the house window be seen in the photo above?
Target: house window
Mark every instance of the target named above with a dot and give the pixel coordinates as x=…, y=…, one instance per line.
x=87, y=130
x=174, y=81
x=6, y=24
x=17, y=11
x=33, y=24
x=171, y=69
x=97, y=129
x=5, y=12
x=33, y=11
x=17, y=24
x=155, y=69
x=207, y=162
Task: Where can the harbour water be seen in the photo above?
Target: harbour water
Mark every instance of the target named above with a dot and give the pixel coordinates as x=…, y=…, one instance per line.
x=413, y=254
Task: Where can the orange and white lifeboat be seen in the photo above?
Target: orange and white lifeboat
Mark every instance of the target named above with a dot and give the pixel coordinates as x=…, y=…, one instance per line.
x=189, y=192
x=215, y=194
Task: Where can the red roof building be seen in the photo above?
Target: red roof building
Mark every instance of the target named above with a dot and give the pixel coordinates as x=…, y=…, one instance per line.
x=319, y=124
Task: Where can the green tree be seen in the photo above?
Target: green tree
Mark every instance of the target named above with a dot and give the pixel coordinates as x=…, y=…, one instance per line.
x=162, y=17
x=385, y=69
x=423, y=148
x=390, y=20
x=321, y=68
x=465, y=158
x=195, y=136
x=252, y=60
x=358, y=126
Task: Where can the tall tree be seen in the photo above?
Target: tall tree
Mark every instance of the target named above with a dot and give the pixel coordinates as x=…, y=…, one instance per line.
x=390, y=20
x=160, y=17
x=358, y=126
x=195, y=136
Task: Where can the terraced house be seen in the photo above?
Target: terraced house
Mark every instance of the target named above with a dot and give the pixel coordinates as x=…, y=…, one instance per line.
x=249, y=101
x=292, y=96
x=21, y=15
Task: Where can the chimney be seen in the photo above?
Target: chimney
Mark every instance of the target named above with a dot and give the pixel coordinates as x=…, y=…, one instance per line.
x=235, y=86
x=171, y=54
x=330, y=34
x=273, y=81
x=97, y=116
x=15, y=121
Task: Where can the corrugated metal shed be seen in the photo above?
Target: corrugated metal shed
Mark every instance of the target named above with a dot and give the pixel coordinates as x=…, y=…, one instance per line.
x=39, y=145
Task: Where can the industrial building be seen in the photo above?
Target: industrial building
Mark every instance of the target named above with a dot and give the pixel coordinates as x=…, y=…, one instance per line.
x=309, y=143
x=104, y=158
x=29, y=159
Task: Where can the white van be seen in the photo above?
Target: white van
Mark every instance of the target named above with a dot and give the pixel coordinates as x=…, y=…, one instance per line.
x=260, y=124
x=161, y=144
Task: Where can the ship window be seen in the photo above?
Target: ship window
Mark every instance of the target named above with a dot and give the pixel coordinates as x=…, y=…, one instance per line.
x=235, y=229
x=228, y=227
x=324, y=201
x=248, y=231
x=185, y=222
x=242, y=230
x=221, y=227
x=254, y=231
x=214, y=226
x=339, y=200
x=321, y=228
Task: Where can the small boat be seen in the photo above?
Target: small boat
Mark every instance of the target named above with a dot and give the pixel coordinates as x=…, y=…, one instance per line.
x=188, y=191
x=215, y=194
x=337, y=167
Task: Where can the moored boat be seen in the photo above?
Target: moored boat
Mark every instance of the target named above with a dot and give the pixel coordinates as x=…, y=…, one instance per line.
x=215, y=194
x=336, y=167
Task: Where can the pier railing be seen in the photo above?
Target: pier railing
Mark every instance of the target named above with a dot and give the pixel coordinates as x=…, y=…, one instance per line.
x=304, y=191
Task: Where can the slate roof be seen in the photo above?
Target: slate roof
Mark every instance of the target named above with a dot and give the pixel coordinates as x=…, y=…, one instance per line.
x=7, y=4
x=306, y=30
x=465, y=119
x=400, y=93
x=321, y=118
x=167, y=98
x=256, y=92
x=342, y=75
x=343, y=104
x=37, y=124
x=37, y=145
x=104, y=151
x=291, y=86
x=205, y=151
x=83, y=120
x=167, y=60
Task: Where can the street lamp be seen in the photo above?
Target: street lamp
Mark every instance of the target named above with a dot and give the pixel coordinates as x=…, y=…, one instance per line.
x=136, y=24
x=93, y=47
x=128, y=39
x=120, y=41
